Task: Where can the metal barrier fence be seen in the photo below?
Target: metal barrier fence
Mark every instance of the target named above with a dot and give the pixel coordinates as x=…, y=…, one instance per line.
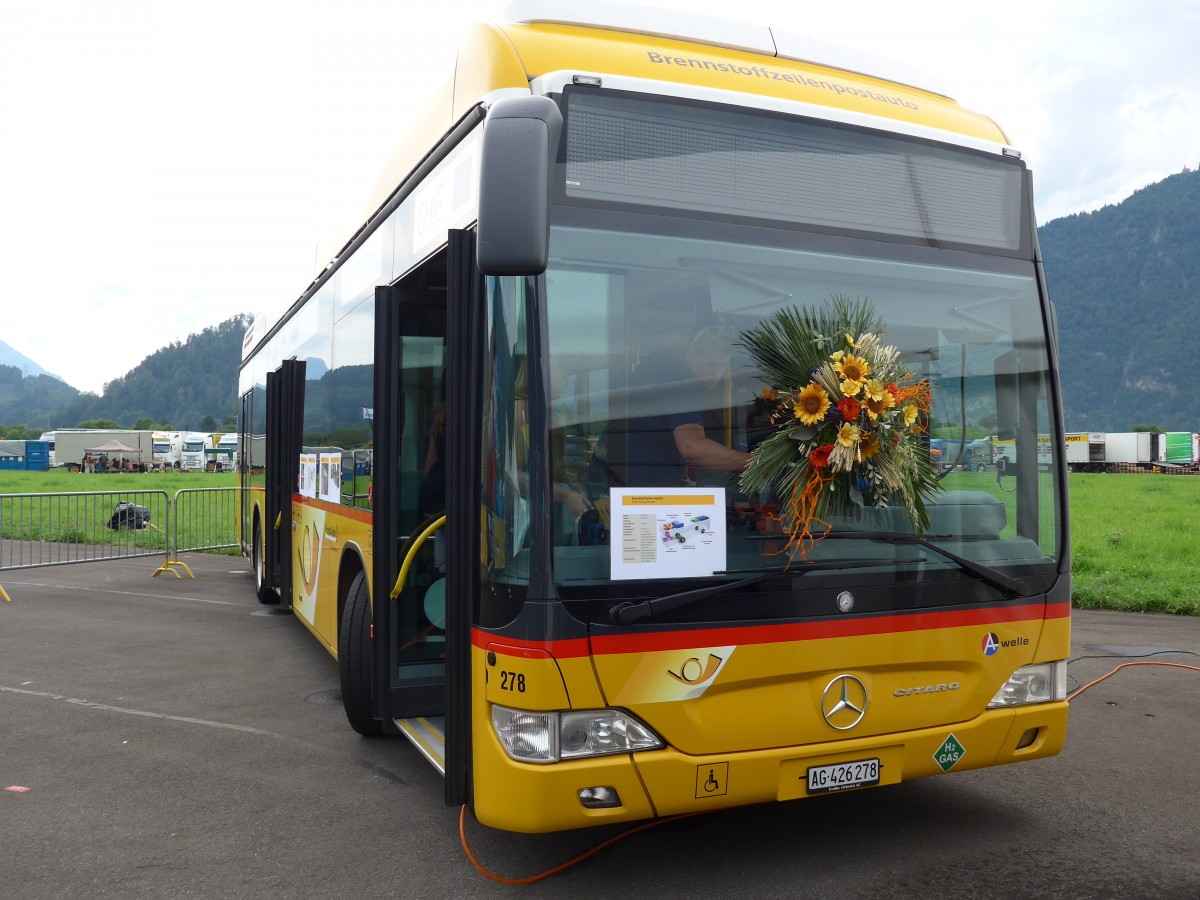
x=61, y=529
x=203, y=519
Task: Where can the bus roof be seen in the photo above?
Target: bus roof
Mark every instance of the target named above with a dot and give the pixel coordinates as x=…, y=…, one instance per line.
x=532, y=39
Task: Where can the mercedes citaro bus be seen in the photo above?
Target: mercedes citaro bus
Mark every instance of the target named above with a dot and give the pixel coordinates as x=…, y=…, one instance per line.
x=435, y=440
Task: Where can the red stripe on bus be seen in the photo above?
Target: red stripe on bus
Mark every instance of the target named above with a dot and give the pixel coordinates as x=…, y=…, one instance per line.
x=778, y=634
x=559, y=649
x=337, y=509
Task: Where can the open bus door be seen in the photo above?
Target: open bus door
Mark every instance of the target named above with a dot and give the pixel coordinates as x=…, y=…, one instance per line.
x=427, y=463
x=285, y=418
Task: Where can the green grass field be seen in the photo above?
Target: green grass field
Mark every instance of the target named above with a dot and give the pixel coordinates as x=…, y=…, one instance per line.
x=84, y=520
x=1134, y=542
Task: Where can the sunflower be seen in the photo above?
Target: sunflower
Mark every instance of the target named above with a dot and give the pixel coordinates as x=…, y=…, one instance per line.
x=811, y=404
x=880, y=404
x=853, y=371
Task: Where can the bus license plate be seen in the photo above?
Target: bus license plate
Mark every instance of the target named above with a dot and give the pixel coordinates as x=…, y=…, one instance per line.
x=843, y=776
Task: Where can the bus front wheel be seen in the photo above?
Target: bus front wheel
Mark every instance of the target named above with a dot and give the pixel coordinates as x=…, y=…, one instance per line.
x=354, y=659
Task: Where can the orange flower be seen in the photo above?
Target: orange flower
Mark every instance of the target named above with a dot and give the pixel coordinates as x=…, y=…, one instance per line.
x=818, y=457
x=850, y=408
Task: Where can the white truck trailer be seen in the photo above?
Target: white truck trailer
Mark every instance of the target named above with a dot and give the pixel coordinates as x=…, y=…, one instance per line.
x=72, y=444
x=1130, y=448
x=1085, y=451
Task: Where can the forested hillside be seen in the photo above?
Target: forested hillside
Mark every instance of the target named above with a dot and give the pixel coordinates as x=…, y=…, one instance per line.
x=179, y=385
x=32, y=401
x=1126, y=281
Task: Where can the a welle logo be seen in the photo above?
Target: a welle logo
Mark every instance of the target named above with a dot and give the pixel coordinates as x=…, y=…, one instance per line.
x=992, y=643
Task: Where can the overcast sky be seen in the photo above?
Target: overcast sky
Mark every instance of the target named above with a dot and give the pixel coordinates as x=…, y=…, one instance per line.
x=165, y=166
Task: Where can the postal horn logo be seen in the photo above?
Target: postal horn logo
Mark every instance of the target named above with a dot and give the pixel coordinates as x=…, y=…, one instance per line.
x=694, y=672
x=844, y=702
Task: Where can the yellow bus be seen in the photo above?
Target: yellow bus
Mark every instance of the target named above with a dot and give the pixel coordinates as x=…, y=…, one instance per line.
x=460, y=443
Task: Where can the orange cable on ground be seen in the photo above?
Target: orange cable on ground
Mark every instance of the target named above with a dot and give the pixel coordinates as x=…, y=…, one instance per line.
x=1125, y=665
x=462, y=834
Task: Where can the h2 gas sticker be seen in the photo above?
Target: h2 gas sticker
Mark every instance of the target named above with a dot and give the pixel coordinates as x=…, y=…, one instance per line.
x=949, y=753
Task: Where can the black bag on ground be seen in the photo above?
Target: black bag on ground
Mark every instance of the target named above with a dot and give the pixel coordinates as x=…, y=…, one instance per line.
x=129, y=515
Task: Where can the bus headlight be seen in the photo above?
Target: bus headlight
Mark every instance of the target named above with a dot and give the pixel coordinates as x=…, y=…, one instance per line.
x=1036, y=683
x=545, y=737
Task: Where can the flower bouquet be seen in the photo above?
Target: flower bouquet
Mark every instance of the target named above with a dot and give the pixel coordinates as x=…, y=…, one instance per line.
x=847, y=423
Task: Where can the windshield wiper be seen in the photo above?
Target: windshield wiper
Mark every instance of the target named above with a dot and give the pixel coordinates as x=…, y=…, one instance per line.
x=1010, y=587
x=629, y=612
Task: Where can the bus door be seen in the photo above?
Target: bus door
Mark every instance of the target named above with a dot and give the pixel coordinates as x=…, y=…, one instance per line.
x=426, y=468
x=243, y=470
x=285, y=418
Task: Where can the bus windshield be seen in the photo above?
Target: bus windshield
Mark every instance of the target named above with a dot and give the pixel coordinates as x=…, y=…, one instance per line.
x=647, y=303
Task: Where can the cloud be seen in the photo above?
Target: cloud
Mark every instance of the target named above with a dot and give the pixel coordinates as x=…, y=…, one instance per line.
x=166, y=167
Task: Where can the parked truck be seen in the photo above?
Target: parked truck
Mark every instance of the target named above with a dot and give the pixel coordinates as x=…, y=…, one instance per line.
x=168, y=449
x=1004, y=452
x=1132, y=451
x=228, y=445
x=193, y=455
x=1085, y=451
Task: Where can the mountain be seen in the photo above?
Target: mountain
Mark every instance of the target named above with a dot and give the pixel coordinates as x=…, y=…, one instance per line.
x=1126, y=282
x=180, y=384
x=25, y=365
x=32, y=401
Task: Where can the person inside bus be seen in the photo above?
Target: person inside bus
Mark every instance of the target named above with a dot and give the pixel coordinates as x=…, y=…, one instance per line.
x=684, y=398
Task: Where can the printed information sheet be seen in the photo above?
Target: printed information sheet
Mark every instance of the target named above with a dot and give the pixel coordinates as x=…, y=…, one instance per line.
x=667, y=533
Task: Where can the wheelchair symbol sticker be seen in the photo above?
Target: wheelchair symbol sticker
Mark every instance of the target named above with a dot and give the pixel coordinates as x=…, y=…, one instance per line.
x=712, y=780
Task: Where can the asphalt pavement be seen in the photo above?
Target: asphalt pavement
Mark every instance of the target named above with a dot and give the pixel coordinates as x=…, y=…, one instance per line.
x=169, y=737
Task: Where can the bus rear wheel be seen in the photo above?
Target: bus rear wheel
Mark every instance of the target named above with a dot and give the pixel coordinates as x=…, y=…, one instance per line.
x=354, y=659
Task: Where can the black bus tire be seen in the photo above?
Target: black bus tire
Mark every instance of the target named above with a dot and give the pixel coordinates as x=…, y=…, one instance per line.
x=258, y=560
x=354, y=659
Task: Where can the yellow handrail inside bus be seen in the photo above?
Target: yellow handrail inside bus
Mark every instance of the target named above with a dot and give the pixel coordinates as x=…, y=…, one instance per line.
x=412, y=554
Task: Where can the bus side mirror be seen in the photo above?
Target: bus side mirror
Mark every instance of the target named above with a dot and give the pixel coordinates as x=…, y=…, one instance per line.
x=520, y=146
